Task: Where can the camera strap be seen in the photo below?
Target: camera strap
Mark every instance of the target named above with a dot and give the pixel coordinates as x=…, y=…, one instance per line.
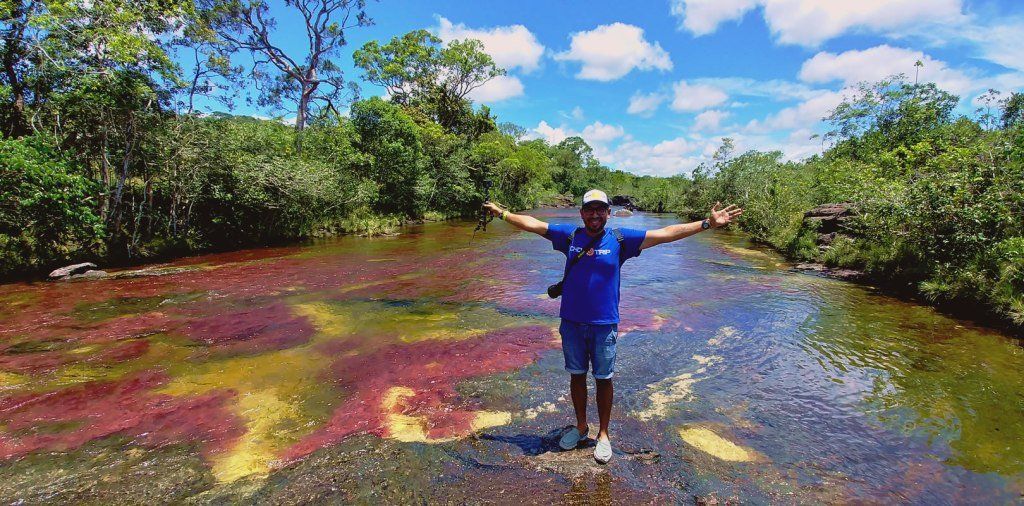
x=578, y=256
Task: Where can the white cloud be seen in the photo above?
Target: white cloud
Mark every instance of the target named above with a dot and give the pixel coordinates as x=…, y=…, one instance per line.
x=998, y=42
x=807, y=114
x=709, y=120
x=694, y=97
x=552, y=134
x=498, y=89
x=666, y=158
x=599, y=133
x=609, y=52
x=811, y=22
x=645, y=105
x=511, y=46
x=702, y=17
x=879, y=62
x=577, y=113
x=775, y=89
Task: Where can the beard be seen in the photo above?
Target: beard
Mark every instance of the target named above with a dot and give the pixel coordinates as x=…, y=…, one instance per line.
x=595, y=224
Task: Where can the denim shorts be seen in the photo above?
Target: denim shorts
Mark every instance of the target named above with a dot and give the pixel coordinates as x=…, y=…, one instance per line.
x=585, y=345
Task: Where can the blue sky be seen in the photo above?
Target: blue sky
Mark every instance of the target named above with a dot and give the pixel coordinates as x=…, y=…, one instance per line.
x=654, y=85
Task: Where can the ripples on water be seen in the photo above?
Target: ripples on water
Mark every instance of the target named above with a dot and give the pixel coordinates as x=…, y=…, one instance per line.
x=429, y=362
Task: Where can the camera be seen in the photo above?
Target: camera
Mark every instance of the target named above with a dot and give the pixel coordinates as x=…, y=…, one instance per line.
x=555, y=290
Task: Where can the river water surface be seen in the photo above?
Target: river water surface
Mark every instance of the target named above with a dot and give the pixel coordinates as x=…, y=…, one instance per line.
x=426, y=368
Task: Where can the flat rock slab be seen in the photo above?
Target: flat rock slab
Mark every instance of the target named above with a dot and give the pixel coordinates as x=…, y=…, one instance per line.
x=90, y=274
x=543, y=453
x=154, y=271
x=844, y=274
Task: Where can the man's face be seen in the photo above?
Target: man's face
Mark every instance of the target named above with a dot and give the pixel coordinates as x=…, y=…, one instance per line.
x=595, y=216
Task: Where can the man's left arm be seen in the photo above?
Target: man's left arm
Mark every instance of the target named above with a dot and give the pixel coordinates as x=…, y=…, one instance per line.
x=718, y=218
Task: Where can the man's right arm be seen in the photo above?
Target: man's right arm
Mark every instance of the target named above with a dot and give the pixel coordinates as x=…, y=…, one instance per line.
x=520, y=221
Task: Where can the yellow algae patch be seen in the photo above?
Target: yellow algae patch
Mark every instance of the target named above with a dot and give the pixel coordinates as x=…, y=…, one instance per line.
x=671, y=391
x=708, y=442
x=547, y=407
x=723, y=334
x=413, y=429
x=706, y=361
x=9, y=380
x=488, y=419
x=747, y=252
x=404, y=322
x=84, y=349
x=667, y=392
x=281, y=398
x=256, y=449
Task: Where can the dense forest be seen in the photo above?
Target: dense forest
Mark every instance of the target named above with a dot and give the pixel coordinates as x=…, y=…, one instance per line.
x=105, y=155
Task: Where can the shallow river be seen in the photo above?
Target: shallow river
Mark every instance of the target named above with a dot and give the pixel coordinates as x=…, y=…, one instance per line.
x=426, y=368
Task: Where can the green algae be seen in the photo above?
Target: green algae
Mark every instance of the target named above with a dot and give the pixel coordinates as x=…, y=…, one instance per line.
x=16, y=300
x=106, y=471
x=500, y=391
x=953, y=384
x=163, y=350
x=92, y=312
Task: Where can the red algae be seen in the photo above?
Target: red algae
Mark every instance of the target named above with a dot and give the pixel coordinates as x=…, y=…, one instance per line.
x=429, y=370
x=92, y=410
x=49, y=361
x=265, y=328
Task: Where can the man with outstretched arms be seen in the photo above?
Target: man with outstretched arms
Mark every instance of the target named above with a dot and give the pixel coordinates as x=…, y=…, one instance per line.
x=590, y=296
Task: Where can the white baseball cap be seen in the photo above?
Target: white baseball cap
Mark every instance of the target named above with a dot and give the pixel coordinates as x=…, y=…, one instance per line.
x=595, y=196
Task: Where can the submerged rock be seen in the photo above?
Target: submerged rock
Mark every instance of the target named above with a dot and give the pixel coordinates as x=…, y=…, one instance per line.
x=70, y=270
x=844, y=274
x=155, y=271
x=90, y=274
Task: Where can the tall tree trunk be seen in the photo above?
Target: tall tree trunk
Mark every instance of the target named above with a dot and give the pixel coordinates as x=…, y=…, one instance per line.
x=13, y=52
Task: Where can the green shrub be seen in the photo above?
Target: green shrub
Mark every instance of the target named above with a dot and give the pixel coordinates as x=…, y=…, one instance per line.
x=47, y=205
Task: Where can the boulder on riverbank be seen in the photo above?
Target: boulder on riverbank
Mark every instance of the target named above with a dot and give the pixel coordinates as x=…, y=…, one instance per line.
x=560, y=202
x=830, y=218
x=71, y=270
x=625, y=201
x=828, y=223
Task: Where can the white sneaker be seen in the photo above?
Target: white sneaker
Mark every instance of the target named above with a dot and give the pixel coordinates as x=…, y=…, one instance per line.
x=571, y=438
x=603, y=451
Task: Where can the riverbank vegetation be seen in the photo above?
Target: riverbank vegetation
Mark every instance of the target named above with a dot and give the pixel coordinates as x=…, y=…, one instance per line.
x=937, y=199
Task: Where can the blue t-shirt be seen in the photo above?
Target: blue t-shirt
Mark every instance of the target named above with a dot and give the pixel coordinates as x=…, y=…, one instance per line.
x=591, y=291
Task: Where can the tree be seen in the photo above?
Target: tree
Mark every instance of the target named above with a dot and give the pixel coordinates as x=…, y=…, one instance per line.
x=406, y=66
x=416, y=70
x=891, y=113
x=313, y=80
x=1013, y=110
x=15, y=16
x=389, y=137
x=212, y=73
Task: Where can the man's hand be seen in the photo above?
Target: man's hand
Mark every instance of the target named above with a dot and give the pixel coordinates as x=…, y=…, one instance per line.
x=721, y=218
x=493, y=208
